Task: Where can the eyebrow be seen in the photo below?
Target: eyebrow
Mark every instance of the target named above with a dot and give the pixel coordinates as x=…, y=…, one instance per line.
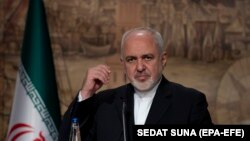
x=148, y=55
x=142, y=56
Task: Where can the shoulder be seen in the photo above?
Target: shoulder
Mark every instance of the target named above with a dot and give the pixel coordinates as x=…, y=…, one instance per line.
x=179, y=90
x=186, y=96
x=184, y=89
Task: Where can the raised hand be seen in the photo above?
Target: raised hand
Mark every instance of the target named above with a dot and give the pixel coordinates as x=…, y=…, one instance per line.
x=94, y=80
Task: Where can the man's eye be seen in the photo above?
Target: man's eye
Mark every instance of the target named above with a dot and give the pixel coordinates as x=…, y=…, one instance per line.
x=148, y=58
x=130, y=60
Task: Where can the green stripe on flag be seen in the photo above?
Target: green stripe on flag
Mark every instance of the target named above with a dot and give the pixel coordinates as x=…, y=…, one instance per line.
x=37, y=58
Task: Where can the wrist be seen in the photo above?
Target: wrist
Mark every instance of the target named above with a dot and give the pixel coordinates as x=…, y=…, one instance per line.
x=85, y=94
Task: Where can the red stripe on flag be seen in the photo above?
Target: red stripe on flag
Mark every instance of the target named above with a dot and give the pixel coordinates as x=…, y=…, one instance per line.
x=19, y=125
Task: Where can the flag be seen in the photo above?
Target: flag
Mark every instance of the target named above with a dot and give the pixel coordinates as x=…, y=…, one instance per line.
x=35, y=114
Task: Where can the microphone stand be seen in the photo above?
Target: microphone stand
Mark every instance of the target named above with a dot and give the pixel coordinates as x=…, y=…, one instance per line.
x=124, y=118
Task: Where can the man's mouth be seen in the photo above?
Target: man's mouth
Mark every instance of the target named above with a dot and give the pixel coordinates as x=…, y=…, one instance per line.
x=142, y=78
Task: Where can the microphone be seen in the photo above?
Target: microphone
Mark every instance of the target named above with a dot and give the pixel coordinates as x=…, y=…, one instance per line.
x=124, y=118
x=124, y=109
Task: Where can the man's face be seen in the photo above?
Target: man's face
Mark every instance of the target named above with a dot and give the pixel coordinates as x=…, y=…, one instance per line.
x=142, y=61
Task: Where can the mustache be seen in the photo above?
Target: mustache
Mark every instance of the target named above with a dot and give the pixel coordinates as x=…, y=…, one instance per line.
x=142, y=74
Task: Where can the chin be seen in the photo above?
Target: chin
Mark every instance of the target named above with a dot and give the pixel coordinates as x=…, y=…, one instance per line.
x=143, y=86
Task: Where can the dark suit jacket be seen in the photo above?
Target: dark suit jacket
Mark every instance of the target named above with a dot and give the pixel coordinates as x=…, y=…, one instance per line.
x=101, y=115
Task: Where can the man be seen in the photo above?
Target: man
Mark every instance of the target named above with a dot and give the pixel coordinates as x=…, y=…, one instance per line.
x=149, y=99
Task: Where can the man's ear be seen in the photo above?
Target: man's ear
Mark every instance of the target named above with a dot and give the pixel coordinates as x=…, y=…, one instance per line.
x=123, y=64
x=164, y=58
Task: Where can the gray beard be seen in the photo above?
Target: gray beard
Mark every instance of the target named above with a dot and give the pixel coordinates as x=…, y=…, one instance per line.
x=144, y=86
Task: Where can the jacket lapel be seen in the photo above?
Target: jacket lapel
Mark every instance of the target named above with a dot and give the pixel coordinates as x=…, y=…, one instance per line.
x=160, y=103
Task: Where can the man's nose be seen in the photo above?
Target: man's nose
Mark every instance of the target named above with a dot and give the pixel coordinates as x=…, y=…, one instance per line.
x=140, y=66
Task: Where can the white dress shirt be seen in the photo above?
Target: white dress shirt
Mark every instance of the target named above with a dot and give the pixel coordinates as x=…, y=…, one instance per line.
x=142, y=104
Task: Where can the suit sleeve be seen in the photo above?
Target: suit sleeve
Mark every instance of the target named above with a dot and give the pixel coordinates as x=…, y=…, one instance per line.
x=84, y=110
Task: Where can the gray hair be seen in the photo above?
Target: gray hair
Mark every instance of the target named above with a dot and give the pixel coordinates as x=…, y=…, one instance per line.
x=155, y=34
